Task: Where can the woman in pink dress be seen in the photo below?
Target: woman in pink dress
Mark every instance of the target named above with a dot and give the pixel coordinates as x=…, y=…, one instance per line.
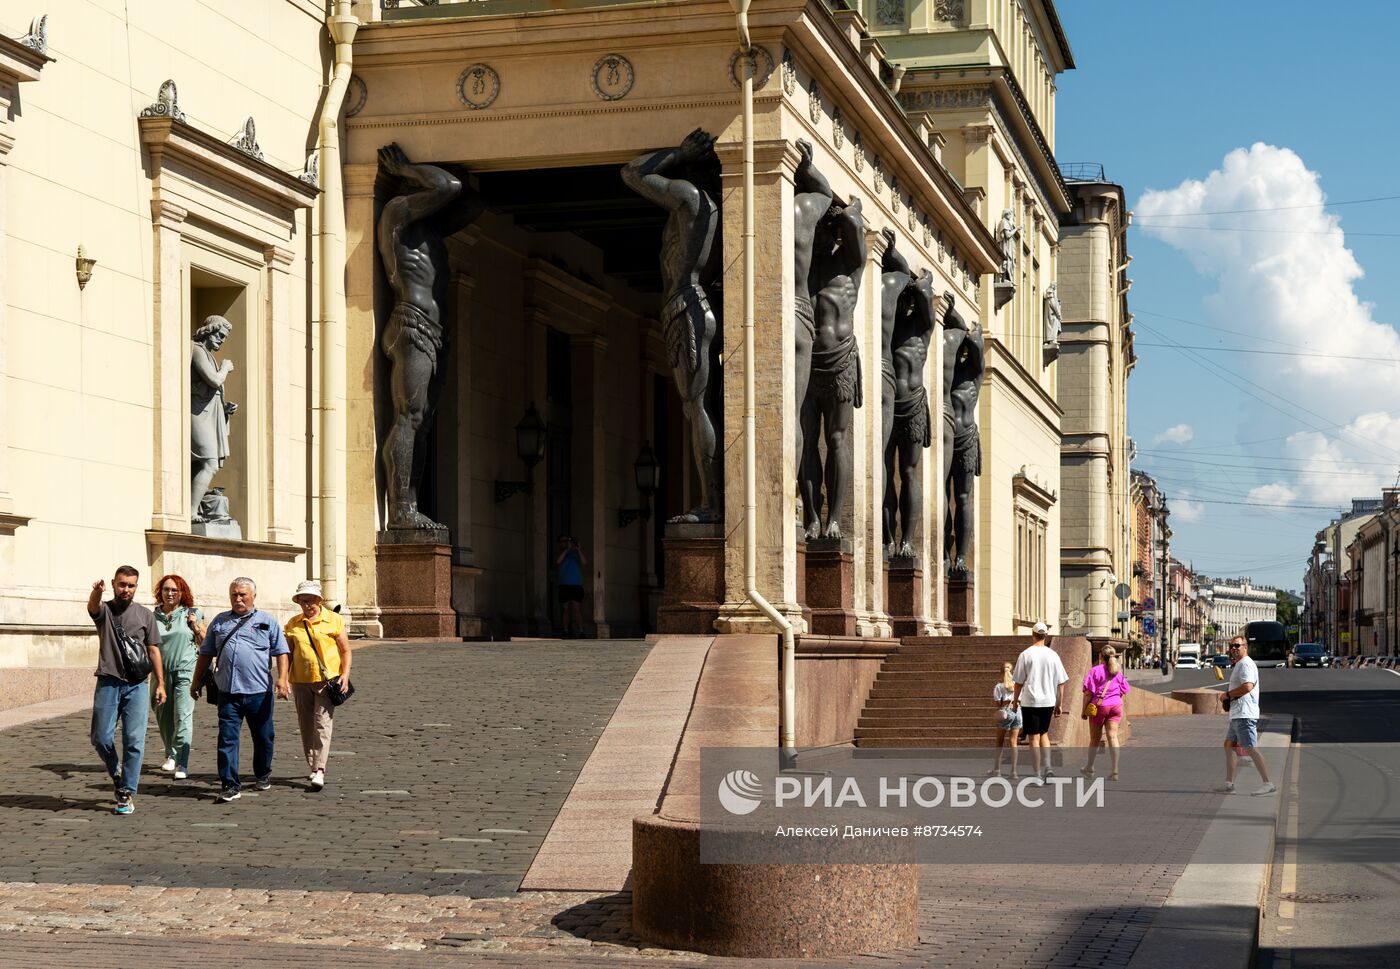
x=1105, y=686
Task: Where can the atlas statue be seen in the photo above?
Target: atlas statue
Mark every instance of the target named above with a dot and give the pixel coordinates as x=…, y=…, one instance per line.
x=963, y=361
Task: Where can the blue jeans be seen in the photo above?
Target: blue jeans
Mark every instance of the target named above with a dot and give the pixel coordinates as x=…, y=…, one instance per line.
x=115, y=698
x=234, y=708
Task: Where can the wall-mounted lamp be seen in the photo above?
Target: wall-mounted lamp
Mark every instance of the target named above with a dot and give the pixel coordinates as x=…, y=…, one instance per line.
x=84, y=264
x=529, y=447
x=648, y=475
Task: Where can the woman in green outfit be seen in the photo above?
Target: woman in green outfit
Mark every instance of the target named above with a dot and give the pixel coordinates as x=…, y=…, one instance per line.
x=181, y=631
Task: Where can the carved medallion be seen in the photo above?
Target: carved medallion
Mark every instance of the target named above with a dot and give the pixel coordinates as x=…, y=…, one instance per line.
x=838, y=128
x=877, y=175
x=860, y=153
x=913, y=216
x=762, y=65
x=814, y=101
x=613, y=77
x=37, y=39
x=928, y=234
x=948, y=10
x=890, y=13
x=246, y=140
x=355, y=96
x=895, y=200
x=478, y=86
x=789, y=74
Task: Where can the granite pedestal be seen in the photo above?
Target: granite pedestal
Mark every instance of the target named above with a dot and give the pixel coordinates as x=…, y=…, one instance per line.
x=415, y=585
x=830, y=568
x=962, y=606
x=904, y=596
x=694, y=588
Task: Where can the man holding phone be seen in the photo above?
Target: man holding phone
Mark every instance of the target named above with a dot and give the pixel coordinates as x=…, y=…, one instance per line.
x=571, y=561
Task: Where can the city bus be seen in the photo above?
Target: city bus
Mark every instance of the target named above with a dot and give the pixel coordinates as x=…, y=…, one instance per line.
x=1268, y=643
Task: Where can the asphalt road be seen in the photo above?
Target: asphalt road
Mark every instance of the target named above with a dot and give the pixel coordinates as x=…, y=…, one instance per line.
x=1336, y=880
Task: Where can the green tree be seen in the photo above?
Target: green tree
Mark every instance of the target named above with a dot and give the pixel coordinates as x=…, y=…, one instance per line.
x=1287, y=612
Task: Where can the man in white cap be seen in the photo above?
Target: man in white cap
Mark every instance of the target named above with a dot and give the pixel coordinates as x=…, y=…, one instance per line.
x=1040, y=680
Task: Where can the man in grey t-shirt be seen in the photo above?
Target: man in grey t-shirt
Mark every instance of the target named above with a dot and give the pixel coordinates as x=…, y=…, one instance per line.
x=1243, y=696
x=115, y=696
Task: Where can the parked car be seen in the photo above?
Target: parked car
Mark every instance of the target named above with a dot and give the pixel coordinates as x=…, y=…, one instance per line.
x=1308, y=654
x=1188, y=662
x=1220, y=660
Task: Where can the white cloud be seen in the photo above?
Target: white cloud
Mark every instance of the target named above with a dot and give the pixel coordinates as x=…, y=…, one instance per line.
x=1289, y=281
x=1276, y=493
x=1183, y=509
x=1176, y=434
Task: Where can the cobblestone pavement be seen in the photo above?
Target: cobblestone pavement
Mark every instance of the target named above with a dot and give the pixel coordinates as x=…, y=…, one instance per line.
x=379, y=878
x=446, y=771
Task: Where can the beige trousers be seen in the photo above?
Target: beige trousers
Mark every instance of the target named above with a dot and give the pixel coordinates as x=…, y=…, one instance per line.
x=314, y=713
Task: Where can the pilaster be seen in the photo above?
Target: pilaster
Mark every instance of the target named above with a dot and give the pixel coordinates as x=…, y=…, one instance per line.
x=868, y=461
x=281, y=466
x=171, y=491
x=590, y=466
x=776, y=410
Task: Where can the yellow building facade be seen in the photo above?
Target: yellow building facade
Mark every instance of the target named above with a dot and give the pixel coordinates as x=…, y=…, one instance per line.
x=982, y=73
x=151, y=174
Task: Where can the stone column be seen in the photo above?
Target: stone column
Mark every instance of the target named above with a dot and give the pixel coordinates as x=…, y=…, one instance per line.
x=868, y=466
x=282, y=468
x=361, y=446
x=591, y=467
x=7, y=141
x=171, y=377
x=539, y=557
x=775, y=164
x=929, y=548
x=458, y=454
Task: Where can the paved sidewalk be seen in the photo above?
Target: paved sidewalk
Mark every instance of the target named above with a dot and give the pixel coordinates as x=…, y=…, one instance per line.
x=487, y=738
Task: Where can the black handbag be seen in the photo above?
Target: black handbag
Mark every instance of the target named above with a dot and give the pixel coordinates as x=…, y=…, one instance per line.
x=211, y=689
x=135, y=657
x=338, y=694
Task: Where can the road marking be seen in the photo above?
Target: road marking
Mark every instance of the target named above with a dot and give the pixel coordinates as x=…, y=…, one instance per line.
x=458, y=871
x=213, y=824
x=503, y=831
x=1289, y=882
x=384, y=792
x=477, y=841
x=1393, y=671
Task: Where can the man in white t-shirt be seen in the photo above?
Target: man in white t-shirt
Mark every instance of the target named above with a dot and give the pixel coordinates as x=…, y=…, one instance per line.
x=1243, y=705
x=1040, y=679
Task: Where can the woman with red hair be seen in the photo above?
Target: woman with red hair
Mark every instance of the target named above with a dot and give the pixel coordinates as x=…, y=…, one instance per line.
x=181, y=631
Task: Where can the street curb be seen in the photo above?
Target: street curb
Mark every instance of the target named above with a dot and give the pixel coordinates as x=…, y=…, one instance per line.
x=1212, y=916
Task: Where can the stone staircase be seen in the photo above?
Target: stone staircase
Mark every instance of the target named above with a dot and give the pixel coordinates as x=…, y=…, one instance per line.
x=937, y=692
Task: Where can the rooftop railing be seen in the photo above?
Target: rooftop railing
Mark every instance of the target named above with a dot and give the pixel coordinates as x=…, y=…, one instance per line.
x=1082, y=172
x=420, y=9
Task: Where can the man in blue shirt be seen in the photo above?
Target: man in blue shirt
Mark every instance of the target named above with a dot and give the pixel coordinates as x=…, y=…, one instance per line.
x=248, y=643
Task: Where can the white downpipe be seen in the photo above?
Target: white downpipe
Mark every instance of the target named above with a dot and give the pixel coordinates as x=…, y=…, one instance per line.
x=788, y=725
x=331, y=264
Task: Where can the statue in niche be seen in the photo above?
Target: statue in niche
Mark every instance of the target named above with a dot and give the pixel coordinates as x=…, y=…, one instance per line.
x=1053, y=317
x=834, y=390
x=685, y=181
x=214, y=508
x=427, y=204
x=811, y=201
x=895, y=276
x=912, y=432
x=209, y=411
x=1007, y=233
x=962, y=449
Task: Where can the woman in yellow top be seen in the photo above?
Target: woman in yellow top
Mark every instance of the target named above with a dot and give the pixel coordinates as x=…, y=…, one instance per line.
x=316, y=634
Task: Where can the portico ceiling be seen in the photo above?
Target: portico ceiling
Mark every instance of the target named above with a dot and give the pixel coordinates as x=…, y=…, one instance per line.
x=591, y=202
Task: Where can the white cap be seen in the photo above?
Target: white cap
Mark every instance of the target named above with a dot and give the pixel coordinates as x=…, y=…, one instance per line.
x=307, y=587
x=1040, y=629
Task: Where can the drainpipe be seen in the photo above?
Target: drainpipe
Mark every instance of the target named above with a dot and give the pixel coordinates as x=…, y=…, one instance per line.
x=331, y=262
x=788, y=728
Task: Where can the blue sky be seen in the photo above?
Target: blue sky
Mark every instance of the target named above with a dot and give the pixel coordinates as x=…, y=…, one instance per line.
x=1203, y=110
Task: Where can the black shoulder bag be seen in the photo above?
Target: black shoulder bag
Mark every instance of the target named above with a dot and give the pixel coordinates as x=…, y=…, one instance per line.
x=134, y=656
x=338, y=694
x=211, y=689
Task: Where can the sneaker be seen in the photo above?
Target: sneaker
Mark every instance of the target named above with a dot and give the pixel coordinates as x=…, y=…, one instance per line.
x=125, y=804
x=1226, y=788
x=180, y=774
x=229, y=794
x=1266, y=789
x=264, y=783
x=1049, y=772
x=318, y=780
x=169, y=765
